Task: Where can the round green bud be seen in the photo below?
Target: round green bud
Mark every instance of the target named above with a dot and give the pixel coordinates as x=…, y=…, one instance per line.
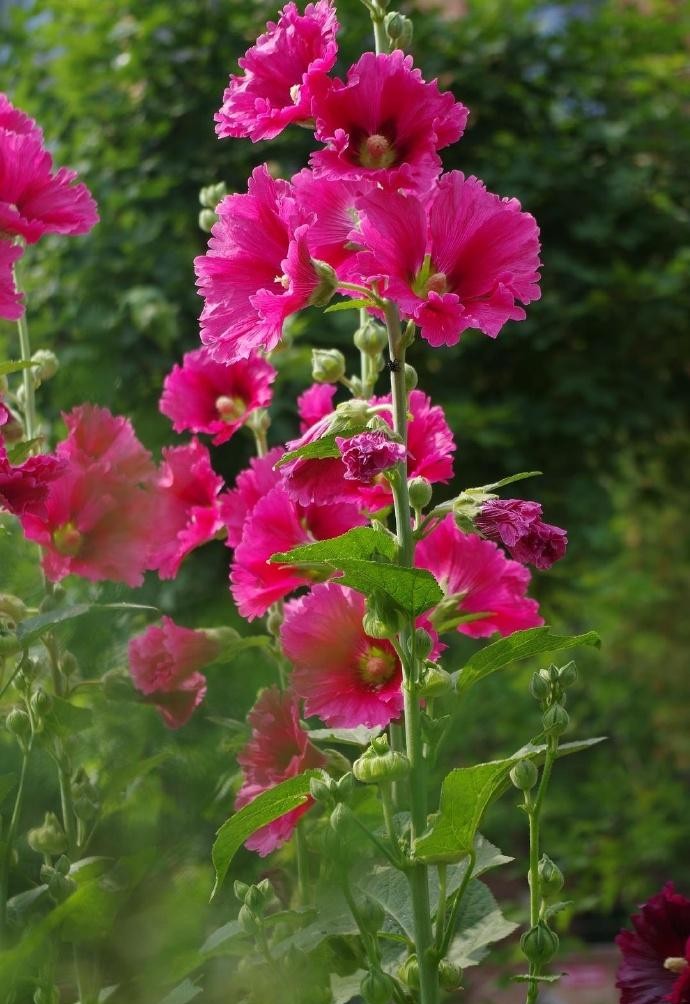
x=371, y=914
x=411, y=378
x=539, y=687
x=371, y=338
x=327, y=366
x=524, y=775
x=45, y=366
x=240, y=890
x=377, y=987
x=420, y=492
x=399, y=29
x=341, y=821
x=553, y=673
x=211, y=195
x=12, y=607
x=409, y=972
x=322, y=789
x=539, y=944
x=555, y=720
x=207, y=220
x=567, y=675
x=328, y=283
x=420, y=644
x=354, y=411
x=41, y=702
x=49, y=838
x=345, y=787
x=381, y=619
x=248, y=920
x=274, y=621
x=255, y=899
x=69, y=664
x=551, y=879
x=19, y=724
x=380, y=764
x=449, y=975
x=376, y=627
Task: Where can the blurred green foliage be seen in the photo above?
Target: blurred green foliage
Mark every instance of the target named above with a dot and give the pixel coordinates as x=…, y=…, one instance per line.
x=581, y=111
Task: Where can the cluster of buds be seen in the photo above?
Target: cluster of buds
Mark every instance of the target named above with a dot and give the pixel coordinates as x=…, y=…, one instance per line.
x=57, y=878
x=548, y=687
x=209, y=197
x=255, y=900
x=449, y=974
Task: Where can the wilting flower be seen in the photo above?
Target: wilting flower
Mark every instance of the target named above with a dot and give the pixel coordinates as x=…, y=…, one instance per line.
x=203, y=395
x=189, y=513
x=11, y=307
x=251, y=485
x=24, y=487
x=386, y=124
x=655, y=967
x=165, y=661
x=368, y=454
x=314, y=404
x=277, y=524
x=274, y=89
x=257, y=270
x=477, y=578
x=34, y=199
x=346, y=677
x=463, y=259
x=278, y=749
x=518, y=526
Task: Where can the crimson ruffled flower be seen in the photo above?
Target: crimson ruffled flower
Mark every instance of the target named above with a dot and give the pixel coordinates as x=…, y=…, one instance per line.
x=464, y=258
x=251, y=485
x=334, y=205
x=314, y=404
x=274, y=89
x=518, y=525
x=278, y=749
x=385, y=124
x=476, y=574
x=189, y=511
x=24, y=487
x=655, y=964
x=257, y=270
x=369, y=454
x=203, y=395
x=34, y=199
x=165, y=661
x=11, y=306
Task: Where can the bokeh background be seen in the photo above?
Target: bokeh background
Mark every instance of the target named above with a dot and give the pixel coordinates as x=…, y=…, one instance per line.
x=582, y=111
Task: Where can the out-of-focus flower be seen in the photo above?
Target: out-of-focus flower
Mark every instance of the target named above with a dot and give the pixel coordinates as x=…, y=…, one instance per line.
x=24, y=487
x=518, y=525
x=655, y=964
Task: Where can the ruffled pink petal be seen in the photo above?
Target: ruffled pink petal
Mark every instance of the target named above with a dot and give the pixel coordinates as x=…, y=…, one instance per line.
x=11, y=301
x=315, y=403
x=251, y=485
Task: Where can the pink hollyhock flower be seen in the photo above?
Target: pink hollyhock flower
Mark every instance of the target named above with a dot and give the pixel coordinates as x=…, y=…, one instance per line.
x=274, y=90
x=278, y=524
x=251, y=485
x=334, y=205
x=96, y=436
x=345, y=677
x=189, y=513
x=518, y=525
x=386, y=124
x=35, y=200
x=24, y=487
x=165, y=662
x=278, y=749
x=257, y=270
x=368, y=454
x=481, y=578
x=203, y=395
x=463, y=259
x=314, y=404
x=11, y=306
x=655, y=964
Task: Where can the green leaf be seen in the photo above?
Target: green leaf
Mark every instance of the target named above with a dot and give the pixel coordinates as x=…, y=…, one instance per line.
x=16, y=366
x=183, y=993
x=18, y=453
x=31, y=629
x=519, y=645
x=68, y=719
x=319, y=449
x=360, y=736
x=362, y=542
x=7, y=783
x=511, y=479
x=348, y=305
x=465, y=794
x=220, y=937
x=269, y=805
x=480, y=924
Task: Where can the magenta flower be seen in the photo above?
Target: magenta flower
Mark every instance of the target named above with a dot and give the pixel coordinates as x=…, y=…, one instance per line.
x=257, y=270
x=165, y=662
x=251, y=485
x=477, y=574
x=345, y=677
x=277, y=524
x=189, y=513
x=385, y=124
x=11, y=306
x=369, y=454
x=274, y=90
x=24, y=487
x=334, y=205
x=95, y=436
x=34, y=199
x=278, y=749
x=655, y=964
x=314, y=404
x=518, y=526
x=203, y=395
x=465, y=258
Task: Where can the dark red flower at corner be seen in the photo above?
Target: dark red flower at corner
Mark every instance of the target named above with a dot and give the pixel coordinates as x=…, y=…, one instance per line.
x=655, y=964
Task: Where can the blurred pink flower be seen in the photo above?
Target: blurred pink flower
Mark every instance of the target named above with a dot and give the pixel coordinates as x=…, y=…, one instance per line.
x=11, y=306
x=655, y=964
x=251, y=485
x=24, y=487
x=14, y=119
x=96, y=436
x=518, y=526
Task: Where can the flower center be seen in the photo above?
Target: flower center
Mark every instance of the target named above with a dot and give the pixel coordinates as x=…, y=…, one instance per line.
x=377, y=151
x=675, y=964
x=376, y=665
x=67, y=539
x=429, y=281
x=230, y=408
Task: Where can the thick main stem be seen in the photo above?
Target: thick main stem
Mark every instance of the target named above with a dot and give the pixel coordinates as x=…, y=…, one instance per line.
x=417, y=873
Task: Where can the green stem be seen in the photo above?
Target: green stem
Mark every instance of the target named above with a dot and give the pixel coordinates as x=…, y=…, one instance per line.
x=397, y=741
x=302, y=866
x=534, y=806
x=380, y=36
x=27, y=376
x=9, y=842
x=388, y=813
x=441, y=912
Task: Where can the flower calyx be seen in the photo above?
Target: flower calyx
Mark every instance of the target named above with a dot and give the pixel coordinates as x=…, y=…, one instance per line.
x=539, y=944
x=379, y=764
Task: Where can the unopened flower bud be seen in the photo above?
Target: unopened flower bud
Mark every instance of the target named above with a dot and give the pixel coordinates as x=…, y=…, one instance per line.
x=12, y=607
x=211, y=195
x=19, y=724
x=435, y=681
x=207, y=220
x=567, y=675
x=551, y=879
x=341, y=821
x=354, y=411
x=327, y=365
x=85, y=797
x=539, y=687
x=409, y=972
x=240, y=890
x=381, y=619
x=41, y=703
x=345, y=787
x=555, y=720
x=524, y=775
x=420, y=492
x=399, y=29
x=255, y=899
x=377, y=987
x=274, y=621
x=45, y=366
x=49, y=838
x=371, y=338
x=328, y=283
x=411, y=378
x=379, y=763
x=449, y=975
x=539, y=944
x=62, y=865
x=322, y=789
x=371, y=914
x=420, y=644
x=248, y=921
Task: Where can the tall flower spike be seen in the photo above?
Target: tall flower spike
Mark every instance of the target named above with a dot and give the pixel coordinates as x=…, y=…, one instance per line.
x=275, y=88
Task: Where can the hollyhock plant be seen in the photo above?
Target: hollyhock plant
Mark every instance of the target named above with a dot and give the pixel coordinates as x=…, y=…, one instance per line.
x=655, y=963
x=275, y=89
x=464, y=258
x=189, y=513
x=165, y=661
x=384, y=124
x=481, y=579
x=24, y=487
x=205, y=396
x=278, y=749
x=345, y=677
x=11, y=306
x=314, y=404
x=257, y=270
x=518, y=525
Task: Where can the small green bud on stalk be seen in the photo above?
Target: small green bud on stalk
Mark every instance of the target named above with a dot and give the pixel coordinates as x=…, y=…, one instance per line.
x=540, y=687
x=399, y=29
x=371, y=338
x=327, y=365
x=240, y=890
x=539, y=944
x=41, y=703
x=328, y=283
x=377, y=987
x=420, y=492
x=411, y=378
x=19, y=724
x=420, y=644
x=435, y=681
x=409, y=972
x=46, y=365
x=380, y=763
x=551, y=879
x=60, y=887
x=248, y=921
x=255, y=899
x=49, y=838
x=567, y=675
x=555, y=720
x=381, y=619
x=62, y=865
x=207, y=220
x=322, y=790
x=68, y=664
x=211, y=195
x=354, y=411
x=554, y=673
x=12, y=607
x=524, y=775
x=345, y=787
x=449, y=975
x=371, y=914
x=274, y=621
